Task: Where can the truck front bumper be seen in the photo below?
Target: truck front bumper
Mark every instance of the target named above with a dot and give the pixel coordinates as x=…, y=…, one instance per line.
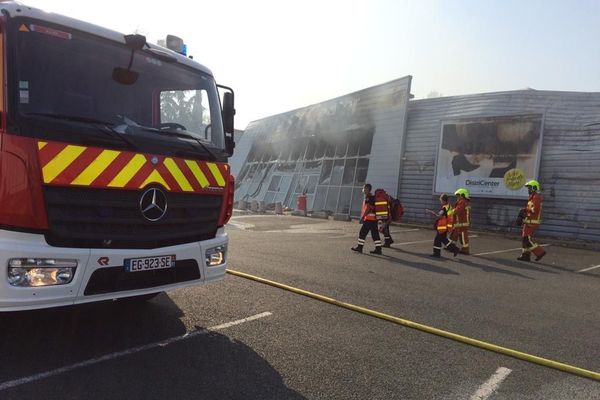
x=100, y=273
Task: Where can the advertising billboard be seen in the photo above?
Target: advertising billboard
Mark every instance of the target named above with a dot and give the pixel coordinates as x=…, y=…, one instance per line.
x=491, y=157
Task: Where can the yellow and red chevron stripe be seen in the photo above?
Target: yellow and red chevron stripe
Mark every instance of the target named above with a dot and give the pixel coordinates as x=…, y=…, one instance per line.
x=66, y=164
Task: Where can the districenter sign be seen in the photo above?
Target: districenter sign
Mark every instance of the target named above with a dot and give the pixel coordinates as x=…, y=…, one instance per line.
x=491, y=157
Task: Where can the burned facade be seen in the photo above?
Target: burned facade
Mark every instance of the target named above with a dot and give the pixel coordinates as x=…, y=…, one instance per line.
x=324, y=150
x=417, y=149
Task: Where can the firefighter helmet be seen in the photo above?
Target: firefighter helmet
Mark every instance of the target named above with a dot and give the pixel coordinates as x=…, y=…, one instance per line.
x=533, y=184
x=462, y=192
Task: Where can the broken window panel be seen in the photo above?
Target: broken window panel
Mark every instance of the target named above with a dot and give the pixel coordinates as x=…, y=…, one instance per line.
x=361, y=171
x=274, y=182
x=330, y=150
x=332, y=198
x=312, y=184
x=344, y=202
x=337, y=172
x=348, y=178
x=320, y=197
x=326, y=172
x=357, y=200
x=340, y=149
x=320, y=149
x=365, y=142
x=311, y=148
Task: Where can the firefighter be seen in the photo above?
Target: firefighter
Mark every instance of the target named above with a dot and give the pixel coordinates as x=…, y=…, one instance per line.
x=531, y=222
x=461, y=214
x=369, y=222
x=443, y=224
x=385, y=223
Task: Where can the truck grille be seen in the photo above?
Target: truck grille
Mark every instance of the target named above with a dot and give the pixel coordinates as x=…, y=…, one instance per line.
x=105, y=218
x=115, y=279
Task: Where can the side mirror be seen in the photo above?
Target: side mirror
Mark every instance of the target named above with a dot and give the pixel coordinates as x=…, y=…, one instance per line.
x=125, y=76
x=229, y=144
x=228, y=114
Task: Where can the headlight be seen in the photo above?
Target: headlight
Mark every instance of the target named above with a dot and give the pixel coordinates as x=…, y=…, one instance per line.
x=216, y=256
x=35, y=272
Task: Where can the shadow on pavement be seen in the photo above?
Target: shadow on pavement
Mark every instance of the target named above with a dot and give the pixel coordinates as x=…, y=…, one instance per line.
x=589, y=274
x=523, y=265
x=416, y=265
x=211, y=366
x=206, y=366
x=487, y=268
x=557, y=267
x=41, y=340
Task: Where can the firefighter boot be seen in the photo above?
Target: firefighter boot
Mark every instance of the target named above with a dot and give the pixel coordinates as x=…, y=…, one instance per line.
x=539, y=253
x=525, y=257
x=453, y=249
x=436, y=253
x=387, y=242
x=376, y=251
x=358, y=248
x=464, y=250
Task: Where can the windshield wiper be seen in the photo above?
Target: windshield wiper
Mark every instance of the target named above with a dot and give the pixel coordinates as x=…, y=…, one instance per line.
x=92, y=121
x=190, y=136
x=181, y=134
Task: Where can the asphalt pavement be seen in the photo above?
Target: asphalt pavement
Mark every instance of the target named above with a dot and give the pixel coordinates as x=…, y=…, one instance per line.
x=240, y=339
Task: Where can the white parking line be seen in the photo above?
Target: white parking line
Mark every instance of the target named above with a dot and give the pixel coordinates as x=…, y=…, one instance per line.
x=162, y=343
x=488, y=388
x=505, y=251
x=405, y=230
x=590, y=268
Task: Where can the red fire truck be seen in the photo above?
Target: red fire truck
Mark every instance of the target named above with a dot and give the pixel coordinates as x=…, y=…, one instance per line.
x=114, y=179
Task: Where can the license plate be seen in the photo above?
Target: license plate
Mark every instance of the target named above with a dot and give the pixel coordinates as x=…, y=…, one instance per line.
x=148, y=263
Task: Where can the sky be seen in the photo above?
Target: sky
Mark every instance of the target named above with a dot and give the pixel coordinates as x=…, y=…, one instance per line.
x=283, y=55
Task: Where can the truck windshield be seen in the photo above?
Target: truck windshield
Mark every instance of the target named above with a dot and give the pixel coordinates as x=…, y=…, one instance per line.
x=68, y=75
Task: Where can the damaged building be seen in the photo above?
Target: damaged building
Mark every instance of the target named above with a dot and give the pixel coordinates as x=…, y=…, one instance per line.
x=489, y=143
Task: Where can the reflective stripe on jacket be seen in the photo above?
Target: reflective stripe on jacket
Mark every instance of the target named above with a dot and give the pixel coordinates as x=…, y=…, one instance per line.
x=444, y=221
x=533, y=211
x=461, y=213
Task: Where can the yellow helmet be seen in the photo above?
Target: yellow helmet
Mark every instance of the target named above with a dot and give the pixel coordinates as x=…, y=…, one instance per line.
x=462, y=192
x=535, y=185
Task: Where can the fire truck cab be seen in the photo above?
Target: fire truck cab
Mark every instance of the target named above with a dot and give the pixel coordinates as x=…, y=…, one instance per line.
x=114, y=179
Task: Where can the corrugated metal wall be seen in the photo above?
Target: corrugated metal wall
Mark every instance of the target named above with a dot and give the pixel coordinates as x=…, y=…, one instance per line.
x=569, y=166
x=390, y=103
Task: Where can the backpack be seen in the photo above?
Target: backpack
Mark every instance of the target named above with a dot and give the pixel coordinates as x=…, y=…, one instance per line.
x=382, y=202
x=397, y=209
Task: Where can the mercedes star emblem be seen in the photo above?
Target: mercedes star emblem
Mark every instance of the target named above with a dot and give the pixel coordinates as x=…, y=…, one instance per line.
x=153, y=204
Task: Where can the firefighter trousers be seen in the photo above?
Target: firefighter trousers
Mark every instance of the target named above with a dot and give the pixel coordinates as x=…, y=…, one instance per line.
x=369, y=226
x=386, y=234
x=528, y=244
x=441, y=239
x=461, y=236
